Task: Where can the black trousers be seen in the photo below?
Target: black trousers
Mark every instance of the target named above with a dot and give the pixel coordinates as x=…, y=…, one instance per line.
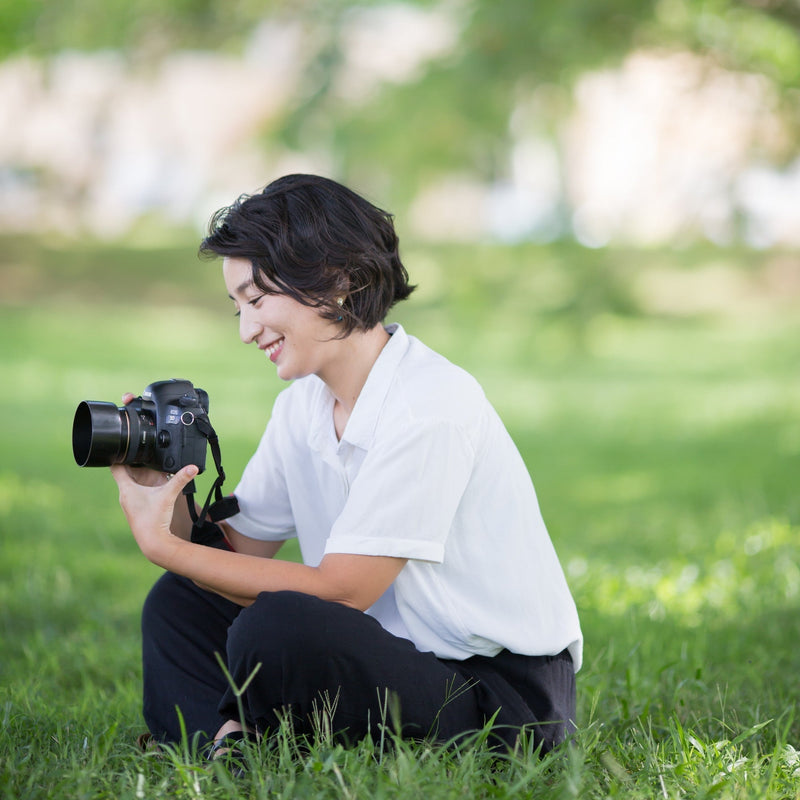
x=315, y=656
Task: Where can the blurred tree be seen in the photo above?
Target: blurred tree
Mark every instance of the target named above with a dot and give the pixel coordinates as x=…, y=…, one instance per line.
x=39, y=27
x=502, y=41
x=455, y=113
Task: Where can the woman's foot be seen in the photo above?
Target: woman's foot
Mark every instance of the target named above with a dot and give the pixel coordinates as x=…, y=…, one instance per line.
x=227, y=747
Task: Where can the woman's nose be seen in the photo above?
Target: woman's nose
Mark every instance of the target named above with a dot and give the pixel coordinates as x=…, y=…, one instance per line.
x=249, y=328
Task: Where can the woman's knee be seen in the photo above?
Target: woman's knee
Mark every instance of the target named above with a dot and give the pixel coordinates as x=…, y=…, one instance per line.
x=294, y=625
x=161, y=600
x=175, y=603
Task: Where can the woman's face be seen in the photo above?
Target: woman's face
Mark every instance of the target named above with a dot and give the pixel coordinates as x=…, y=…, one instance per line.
x=293, y=336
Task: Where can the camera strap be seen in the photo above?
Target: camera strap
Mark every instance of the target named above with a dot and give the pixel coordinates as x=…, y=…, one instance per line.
x=222, y=507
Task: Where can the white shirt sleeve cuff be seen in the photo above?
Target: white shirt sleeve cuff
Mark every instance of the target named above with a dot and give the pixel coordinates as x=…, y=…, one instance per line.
x=397, y=548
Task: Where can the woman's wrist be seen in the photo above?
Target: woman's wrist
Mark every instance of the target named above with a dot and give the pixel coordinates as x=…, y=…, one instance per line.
x=164, y=549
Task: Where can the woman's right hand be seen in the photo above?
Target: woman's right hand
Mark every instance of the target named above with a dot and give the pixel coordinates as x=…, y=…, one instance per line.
x=181, y=525
x=150, y=511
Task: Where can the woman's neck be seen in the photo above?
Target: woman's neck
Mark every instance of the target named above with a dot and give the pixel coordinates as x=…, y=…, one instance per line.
x=347, y=373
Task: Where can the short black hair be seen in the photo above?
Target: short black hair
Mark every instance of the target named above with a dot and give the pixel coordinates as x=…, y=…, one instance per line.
x=318, y=242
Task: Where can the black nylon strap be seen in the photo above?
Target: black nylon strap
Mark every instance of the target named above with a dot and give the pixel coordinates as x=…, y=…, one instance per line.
x=210, y=535
x=222, y=507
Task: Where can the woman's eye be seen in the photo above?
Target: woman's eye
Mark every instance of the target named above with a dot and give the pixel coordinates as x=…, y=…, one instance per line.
x=255, y=301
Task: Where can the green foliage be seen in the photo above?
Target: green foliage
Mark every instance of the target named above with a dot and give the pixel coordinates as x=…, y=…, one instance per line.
x=40, y=27
x=456, y=116
x=753, y=36
x=664, y=449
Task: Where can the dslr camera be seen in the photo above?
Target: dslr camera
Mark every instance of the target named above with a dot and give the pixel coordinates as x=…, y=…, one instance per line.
x=163, y=429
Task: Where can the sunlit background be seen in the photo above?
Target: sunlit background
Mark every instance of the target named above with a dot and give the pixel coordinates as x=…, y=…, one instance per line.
x=644, y=158
x=611, y=122
x=600, y=202
x=569, y=179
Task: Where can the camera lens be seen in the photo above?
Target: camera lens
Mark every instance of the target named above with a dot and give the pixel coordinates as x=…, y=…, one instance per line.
x=100, y=434
x=141, y=438
x=103, y=434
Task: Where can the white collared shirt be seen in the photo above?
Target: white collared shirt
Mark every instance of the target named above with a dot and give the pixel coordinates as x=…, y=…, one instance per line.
x=425, y=470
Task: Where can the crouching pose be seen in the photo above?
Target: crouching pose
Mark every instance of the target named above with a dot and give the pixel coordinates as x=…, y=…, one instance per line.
x=429, y=584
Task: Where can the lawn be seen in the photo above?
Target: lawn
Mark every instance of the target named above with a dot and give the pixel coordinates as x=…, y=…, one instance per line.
x=655, y=399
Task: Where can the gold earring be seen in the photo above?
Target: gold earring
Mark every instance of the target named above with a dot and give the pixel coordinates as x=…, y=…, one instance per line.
x=340, y=301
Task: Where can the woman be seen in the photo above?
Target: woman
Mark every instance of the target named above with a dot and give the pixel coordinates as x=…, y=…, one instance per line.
x=429, y=584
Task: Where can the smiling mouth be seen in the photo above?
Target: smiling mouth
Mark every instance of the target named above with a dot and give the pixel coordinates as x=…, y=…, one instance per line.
x=274, y=348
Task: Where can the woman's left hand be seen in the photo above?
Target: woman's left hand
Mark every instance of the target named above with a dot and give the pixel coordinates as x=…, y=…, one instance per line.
x=149, y=510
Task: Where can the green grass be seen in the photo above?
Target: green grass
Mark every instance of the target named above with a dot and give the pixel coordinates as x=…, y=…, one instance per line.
x=665, y=451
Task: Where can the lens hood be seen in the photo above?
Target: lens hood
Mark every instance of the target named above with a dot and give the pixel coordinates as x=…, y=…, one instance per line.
x=100, y=434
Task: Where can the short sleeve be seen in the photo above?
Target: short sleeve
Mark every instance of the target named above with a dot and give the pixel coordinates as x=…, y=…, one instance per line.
x=405, y=496
x=265, y=511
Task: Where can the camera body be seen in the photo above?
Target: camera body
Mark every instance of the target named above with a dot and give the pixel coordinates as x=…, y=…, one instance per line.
x=158, y=430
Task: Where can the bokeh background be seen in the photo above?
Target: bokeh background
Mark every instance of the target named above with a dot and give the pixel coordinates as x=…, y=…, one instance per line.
x=613, y=121
x=600, y=202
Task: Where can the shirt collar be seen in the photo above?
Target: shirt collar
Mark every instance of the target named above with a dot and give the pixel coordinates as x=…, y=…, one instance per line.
x=363, y=420
x=360, y=428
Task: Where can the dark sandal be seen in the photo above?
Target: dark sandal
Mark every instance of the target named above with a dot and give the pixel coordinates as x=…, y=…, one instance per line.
x=227, y=749
x=149, y=745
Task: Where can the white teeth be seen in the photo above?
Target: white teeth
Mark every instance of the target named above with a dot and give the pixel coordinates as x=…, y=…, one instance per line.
x=273, y=347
